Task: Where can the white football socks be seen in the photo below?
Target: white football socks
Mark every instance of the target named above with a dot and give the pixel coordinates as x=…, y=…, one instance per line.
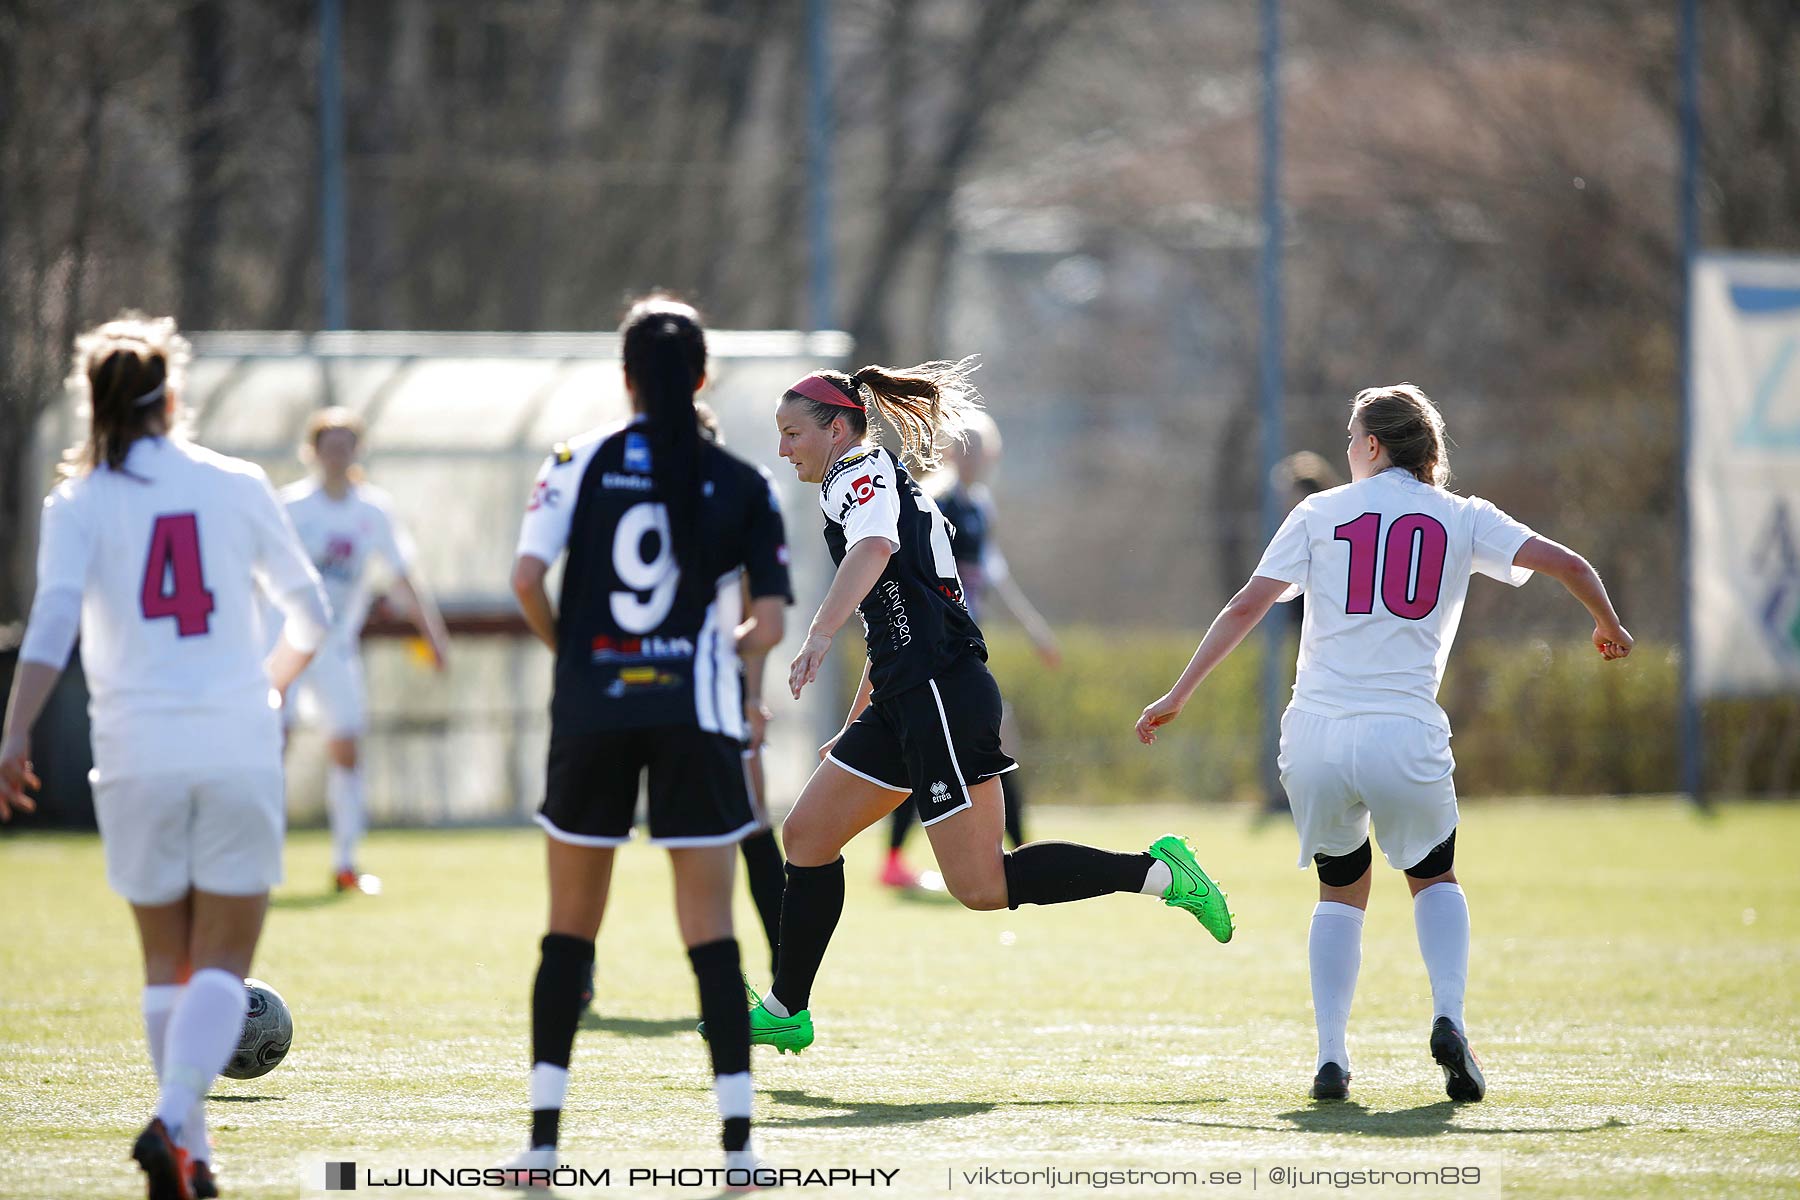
x=1158, y=880
x=344, y=805
x=549, y=1085
x=1441, y=914
x=733, y=1092
x=159, y=1002
x=204, y=1030
x=775, y=1007
x=1334, y=949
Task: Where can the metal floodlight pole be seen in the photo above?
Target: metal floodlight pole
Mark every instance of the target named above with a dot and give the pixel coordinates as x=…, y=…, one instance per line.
x=1274, y=639
x=1693, y=751
x=331, y=165
x=821, y=305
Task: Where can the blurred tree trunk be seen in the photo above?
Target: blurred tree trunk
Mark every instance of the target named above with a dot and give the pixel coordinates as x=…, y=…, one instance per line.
x=197, y=252
x=997, y=57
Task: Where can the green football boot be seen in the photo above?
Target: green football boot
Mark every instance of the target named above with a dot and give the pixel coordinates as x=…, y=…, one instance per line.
x=789, y=1035
x=1190, y=887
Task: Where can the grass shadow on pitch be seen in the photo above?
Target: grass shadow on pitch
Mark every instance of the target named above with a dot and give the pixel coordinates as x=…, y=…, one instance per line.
x=217, y=1099
x=854, y=1114
x=309, y=900
x=639, y=1026
x=859, y=1114
x=1426, y=1120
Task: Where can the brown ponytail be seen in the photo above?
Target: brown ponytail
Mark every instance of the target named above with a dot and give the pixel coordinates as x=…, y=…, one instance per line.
x=1408, y=425
x=924, y=404
x=126, y=369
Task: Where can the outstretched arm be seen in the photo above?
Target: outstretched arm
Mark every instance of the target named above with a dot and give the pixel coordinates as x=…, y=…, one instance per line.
x=1036, y=628
x=416, y=598
x=1578, y=575
x=856, y=577
x=1239, y=616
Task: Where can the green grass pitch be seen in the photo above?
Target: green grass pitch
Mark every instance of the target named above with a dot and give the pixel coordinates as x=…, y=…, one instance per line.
x=1634, y=994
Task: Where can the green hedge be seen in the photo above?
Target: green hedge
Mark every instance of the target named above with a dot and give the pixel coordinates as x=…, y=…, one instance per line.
x=1531, y=717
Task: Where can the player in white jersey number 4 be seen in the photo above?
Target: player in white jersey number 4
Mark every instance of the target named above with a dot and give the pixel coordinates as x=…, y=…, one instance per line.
x=156, y=549
x=1384, y=562
x=343, y=521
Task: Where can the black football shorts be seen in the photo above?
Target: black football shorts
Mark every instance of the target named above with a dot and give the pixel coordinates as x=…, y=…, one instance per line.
x=934, y=741
x=697, y=791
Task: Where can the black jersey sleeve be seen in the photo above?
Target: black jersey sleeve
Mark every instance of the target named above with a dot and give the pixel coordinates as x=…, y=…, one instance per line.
x=766, y=551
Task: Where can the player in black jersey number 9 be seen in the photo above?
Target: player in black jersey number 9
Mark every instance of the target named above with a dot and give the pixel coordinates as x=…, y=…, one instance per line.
x=662, y=530
x=925, y=725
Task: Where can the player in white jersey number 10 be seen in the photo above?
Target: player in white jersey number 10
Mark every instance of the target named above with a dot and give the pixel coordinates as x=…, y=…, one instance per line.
x=156, y=549
x=1384, y=562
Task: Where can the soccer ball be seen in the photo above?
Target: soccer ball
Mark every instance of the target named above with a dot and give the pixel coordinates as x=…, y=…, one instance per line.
x=268, y=1032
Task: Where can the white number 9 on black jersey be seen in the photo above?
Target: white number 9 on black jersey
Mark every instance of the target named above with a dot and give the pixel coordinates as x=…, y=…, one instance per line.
x=650, y=577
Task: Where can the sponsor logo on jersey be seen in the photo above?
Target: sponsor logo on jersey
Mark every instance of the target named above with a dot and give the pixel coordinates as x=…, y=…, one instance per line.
x=861, y=492
x=896, y=613
x=339, y=559
x=844, y=464
x=543, y=496
x=637, y=453
x=605, y=648
x=642, y=679
x=630, y=483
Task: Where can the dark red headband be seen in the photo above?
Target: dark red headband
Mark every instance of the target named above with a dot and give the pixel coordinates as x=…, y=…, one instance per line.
x=818, y=387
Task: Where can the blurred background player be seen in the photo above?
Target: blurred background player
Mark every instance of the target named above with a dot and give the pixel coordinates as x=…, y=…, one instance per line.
x=660, y=525
x=925, y=724
x=1386, y=560
x=343, y=520
x=1299, y=475
x=156, y=549
x=761, y=851
x=962, y=495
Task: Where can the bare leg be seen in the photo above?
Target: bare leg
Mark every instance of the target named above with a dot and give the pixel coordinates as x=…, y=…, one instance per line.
x=834, y=807
x=968, y=849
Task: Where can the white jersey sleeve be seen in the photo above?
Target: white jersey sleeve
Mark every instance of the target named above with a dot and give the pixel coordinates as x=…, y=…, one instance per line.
x=283, y=571
x=1289, y=555
x=548, y=514
x=863, y=496
x=65, y=541
x=1497, y=539
x=65, y=552
x=391, y=539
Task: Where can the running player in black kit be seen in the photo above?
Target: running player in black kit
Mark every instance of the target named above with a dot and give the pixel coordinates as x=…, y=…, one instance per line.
x=661, y=527
x=925, y=724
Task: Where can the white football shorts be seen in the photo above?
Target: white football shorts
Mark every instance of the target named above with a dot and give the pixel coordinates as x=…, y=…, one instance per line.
x=218, y=831
x=329, y=693
x=1341, y=771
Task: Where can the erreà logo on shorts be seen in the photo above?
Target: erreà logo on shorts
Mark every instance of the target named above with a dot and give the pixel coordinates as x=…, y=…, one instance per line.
x=940, y=792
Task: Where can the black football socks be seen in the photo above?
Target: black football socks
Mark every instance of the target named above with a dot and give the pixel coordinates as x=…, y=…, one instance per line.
x=563, y=974
x=762, y=863
x=810, y=909
x=717, y=970
x=1059, y=872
